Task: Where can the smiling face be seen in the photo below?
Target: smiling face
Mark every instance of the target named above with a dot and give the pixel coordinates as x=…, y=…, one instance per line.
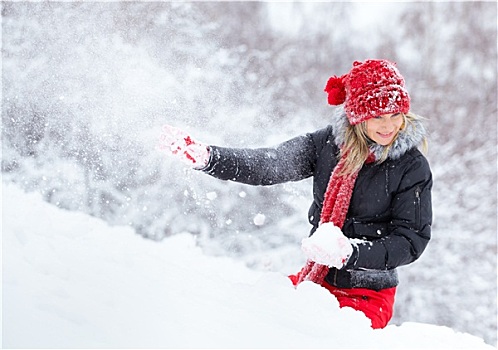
x=384, y=128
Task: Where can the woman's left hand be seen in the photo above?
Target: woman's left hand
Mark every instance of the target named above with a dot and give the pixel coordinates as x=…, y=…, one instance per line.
x=328, y=246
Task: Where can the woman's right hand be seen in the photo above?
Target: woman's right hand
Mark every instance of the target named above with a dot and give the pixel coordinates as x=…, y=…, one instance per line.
x=178, y=143
x=328, y=246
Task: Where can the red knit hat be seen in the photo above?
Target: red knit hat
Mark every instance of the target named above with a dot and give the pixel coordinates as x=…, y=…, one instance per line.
x=370, y=89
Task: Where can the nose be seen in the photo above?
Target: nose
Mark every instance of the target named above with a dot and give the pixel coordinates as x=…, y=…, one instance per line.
x=386, y=123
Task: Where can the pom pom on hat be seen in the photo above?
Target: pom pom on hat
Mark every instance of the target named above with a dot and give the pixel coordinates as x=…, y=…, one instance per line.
x=371, y=88
x=336, y=91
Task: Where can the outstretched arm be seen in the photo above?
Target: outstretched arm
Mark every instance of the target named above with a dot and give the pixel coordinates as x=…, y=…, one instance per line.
x=292, y=160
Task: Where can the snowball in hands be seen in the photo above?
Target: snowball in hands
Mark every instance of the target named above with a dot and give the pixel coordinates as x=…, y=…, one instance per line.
x=328, y=246
x=178, y=143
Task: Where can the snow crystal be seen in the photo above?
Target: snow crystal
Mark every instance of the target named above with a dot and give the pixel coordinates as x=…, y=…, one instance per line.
x=211, y=195
x=259, y=219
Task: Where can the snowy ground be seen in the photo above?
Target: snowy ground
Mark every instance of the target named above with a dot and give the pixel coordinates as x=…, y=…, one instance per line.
x=71, y=281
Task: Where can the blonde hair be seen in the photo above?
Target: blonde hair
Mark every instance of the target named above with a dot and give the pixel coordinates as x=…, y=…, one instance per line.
x=357, y=144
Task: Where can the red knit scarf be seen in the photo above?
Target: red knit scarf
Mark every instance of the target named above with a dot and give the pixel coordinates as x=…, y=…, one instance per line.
x=335, y=207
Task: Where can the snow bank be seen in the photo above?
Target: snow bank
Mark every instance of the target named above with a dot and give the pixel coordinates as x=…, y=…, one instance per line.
x=70, y=280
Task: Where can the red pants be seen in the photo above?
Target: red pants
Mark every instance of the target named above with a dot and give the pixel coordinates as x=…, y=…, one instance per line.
x=376, y=305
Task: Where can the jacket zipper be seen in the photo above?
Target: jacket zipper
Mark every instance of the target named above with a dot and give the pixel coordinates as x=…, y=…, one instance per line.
x=417, y=207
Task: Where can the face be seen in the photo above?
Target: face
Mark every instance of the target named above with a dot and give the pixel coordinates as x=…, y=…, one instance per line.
x=384, y=128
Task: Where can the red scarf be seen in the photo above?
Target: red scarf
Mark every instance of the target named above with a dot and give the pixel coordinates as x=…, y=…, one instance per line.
x=335, y=207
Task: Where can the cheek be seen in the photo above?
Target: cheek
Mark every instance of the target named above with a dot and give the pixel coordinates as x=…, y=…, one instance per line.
x=398, y=124
x=371, y=129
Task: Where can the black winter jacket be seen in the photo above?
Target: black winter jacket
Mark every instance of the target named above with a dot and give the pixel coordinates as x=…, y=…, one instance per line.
x=390, y=212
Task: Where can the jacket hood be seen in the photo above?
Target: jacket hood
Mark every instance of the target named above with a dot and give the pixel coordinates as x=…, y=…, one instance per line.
x=412, y=136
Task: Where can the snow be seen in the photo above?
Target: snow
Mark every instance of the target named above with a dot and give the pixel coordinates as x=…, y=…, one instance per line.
x=73, y=281
x=259, y=219
x=327, y=246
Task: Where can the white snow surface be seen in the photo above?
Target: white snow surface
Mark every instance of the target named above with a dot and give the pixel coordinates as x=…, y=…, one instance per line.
x=73, y=281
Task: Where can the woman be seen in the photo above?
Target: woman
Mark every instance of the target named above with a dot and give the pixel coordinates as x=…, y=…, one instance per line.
x=371, y=186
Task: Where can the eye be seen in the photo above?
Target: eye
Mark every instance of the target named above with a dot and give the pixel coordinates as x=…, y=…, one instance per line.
x=396, y=115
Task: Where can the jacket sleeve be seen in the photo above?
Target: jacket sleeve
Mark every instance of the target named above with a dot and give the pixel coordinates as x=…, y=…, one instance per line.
x=292, y=160
x=409, y=228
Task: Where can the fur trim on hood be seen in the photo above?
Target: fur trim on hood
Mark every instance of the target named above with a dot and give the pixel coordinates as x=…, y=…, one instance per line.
x=412, y=136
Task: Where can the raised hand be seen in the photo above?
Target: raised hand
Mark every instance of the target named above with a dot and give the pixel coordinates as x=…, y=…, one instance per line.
x=179, y=143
